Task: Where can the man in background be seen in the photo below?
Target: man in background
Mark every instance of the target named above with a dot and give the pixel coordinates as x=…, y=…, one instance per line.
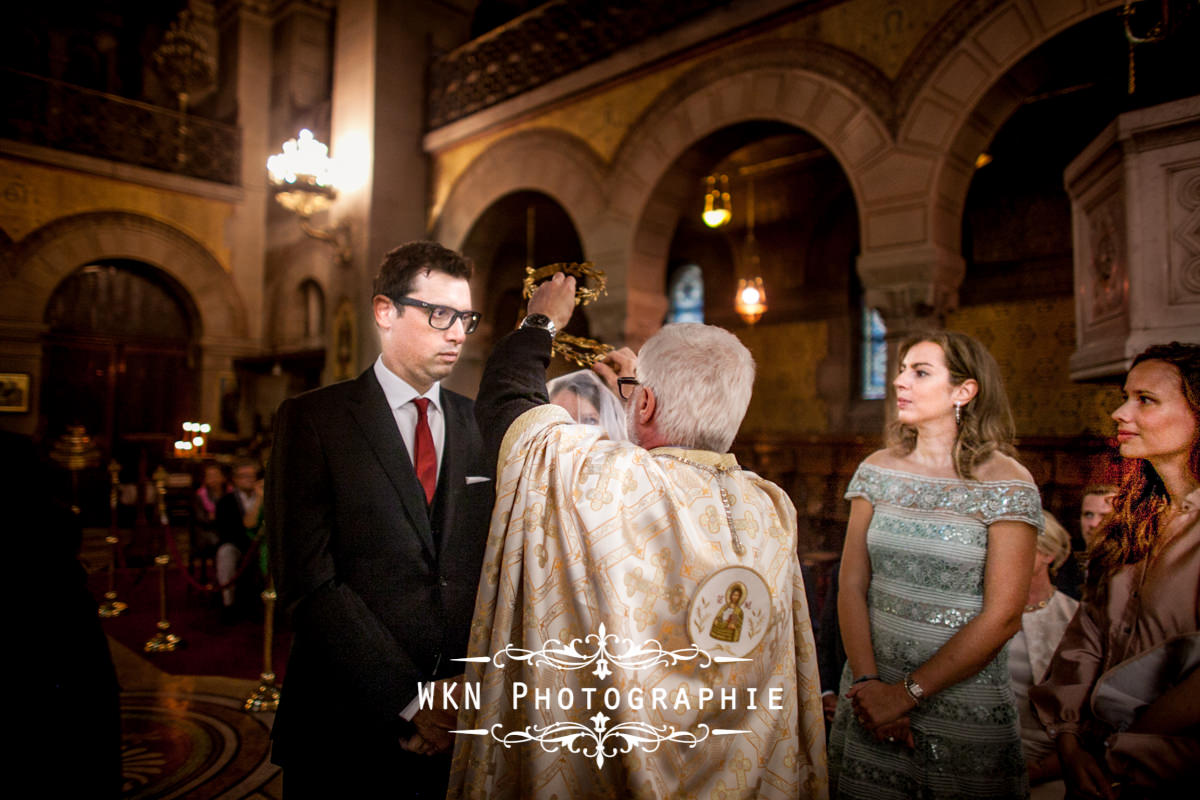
x=1094, y=509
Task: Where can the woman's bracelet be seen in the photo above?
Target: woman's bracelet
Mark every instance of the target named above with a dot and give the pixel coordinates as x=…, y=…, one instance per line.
x=865, y=678
x=915, y=692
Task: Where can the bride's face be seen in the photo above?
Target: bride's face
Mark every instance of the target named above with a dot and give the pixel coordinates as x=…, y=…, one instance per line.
x=580, y=409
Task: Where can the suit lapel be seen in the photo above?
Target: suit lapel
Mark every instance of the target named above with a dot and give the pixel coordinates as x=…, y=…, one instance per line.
x=454, y=462
x=370, y=410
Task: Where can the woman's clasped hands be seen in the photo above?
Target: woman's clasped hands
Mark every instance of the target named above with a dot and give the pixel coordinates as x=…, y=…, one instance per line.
x=882, y=708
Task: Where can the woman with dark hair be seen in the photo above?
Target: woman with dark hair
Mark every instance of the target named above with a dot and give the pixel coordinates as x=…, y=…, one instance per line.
x=935, y=575
x=1122, y=698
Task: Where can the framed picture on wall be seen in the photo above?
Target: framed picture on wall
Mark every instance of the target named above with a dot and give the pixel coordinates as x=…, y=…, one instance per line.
x=14, y=392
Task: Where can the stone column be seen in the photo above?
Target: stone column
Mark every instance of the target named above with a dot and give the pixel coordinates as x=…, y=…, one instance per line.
x=381, y=50
x=245, y=36
x=301, y=60
x=1135, y=211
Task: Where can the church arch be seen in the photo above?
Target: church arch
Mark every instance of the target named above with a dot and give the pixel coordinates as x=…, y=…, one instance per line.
x=546, y=161
x=916, y=194
x=753, y=87
x=43, y=259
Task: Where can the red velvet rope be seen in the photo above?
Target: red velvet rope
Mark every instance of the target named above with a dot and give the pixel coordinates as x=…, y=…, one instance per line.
x=250, y=554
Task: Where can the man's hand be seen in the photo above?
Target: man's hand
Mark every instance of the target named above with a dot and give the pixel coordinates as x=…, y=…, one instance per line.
x=617, y=364
x=434, y=724
x=433, y=734
x=829, y=702
x=556, y=299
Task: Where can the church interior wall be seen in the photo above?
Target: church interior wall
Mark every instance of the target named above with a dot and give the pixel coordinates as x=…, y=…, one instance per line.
x=38, y=194
x=901, y=96
x=935, y=85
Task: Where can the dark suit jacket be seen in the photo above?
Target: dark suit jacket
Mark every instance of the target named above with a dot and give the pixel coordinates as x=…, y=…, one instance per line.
x=380, y=588
x=229, y=521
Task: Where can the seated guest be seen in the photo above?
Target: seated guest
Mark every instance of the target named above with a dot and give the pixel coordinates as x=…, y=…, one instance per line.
x=204, y=512
x=589, y=402
x=1047, y=613
x=237, y=514
x=1122, y=698
x=1094, y=508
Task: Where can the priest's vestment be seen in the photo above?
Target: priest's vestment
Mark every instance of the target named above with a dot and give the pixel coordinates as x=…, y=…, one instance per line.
x=601, y=558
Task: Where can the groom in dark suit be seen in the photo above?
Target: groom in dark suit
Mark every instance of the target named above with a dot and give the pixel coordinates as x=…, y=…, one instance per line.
x=378, y=500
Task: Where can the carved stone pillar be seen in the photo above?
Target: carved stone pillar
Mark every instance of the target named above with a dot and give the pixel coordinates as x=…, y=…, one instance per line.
x=913, y=288
x=1135, y=209
x=245, y=36
x=381, y=52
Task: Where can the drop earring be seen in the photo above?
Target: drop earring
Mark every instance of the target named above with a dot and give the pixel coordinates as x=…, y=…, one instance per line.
x=958, y=413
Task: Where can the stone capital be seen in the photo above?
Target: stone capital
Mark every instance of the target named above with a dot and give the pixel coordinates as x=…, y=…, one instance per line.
x=912, y=287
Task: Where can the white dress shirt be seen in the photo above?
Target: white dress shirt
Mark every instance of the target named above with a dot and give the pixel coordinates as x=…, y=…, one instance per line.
x=399, y=398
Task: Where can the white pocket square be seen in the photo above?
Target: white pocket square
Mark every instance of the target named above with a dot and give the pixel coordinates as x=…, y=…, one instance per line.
x=477, y=479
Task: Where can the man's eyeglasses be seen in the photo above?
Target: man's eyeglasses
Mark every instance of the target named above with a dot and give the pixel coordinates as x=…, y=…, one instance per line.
x=625, y=387
x=442, y=317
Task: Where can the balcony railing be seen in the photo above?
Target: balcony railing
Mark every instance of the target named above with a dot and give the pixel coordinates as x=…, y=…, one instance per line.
x=546, y=43
x=50, y=113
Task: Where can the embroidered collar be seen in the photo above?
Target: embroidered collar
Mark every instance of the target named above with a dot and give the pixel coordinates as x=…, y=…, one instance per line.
x=722, y=462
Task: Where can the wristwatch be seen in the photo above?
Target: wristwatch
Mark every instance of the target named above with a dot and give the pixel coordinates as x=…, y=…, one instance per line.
x=914, y=689
x=540, y=321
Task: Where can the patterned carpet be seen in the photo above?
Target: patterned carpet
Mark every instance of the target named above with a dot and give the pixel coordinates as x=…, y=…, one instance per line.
x=188, y=737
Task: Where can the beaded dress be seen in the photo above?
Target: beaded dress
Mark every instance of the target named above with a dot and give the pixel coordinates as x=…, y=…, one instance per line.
x=927, y=542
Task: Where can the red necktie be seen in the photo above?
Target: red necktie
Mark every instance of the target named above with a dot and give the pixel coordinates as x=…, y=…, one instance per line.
x=425, y=457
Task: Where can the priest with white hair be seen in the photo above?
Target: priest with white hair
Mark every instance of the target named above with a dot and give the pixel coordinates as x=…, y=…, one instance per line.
x=641, y=629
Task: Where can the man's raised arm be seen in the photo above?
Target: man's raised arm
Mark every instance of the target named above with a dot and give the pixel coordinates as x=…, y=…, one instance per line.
x=514, y=379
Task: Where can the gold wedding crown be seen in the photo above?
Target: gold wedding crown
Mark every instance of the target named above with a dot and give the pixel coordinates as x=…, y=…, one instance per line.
x=578, y=349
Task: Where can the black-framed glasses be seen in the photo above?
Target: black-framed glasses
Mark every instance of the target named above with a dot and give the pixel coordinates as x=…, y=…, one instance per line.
x=626, y=393
x=442, y=317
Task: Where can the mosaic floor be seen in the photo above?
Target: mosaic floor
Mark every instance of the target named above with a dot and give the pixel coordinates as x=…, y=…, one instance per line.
x=188, y=737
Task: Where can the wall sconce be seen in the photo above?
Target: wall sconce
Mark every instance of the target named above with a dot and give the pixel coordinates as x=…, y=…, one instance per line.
x=301, y=180
x=717, y=208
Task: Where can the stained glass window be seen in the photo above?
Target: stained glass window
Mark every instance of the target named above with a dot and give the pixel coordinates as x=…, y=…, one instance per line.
x=686, y=295
x=874, y=355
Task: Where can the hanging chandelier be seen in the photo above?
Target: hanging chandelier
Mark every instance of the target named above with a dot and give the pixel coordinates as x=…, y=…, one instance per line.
x=750, y=301
x=717, y=208
x=301, y=175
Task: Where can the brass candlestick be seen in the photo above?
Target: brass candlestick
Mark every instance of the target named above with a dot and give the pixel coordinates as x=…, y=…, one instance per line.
x=75, y=451
x=266, y=696
x=164, y=641
x=112, y=607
